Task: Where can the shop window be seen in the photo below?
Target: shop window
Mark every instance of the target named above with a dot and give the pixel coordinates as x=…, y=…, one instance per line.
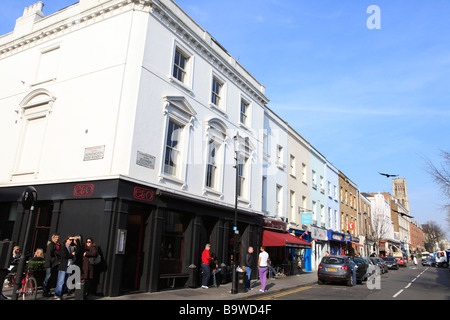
x=172, y=243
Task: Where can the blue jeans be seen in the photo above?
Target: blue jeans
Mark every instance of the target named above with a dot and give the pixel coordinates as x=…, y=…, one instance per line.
x=60, y=284
x=248, y=272
x=45, y=286
x=206, y=274
x=214, y=276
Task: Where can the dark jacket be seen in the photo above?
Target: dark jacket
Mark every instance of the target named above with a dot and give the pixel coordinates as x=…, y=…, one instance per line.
x=65, y=256
x=249, y=260
x=51, y=256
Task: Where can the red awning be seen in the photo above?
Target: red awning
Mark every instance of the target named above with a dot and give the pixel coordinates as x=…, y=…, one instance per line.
x=279, y=239
x=357, y=244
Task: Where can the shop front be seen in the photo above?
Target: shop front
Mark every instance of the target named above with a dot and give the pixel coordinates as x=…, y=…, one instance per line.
x=336, y=242
x=149, y=239
x=285, y=249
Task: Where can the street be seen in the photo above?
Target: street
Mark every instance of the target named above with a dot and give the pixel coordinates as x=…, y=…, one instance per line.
x=410, y=283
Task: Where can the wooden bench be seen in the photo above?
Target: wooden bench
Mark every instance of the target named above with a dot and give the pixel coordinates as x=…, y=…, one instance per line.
x=173, y=276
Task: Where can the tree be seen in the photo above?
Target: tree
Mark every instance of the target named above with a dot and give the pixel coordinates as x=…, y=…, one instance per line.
x=433, y=234
x=441, y=177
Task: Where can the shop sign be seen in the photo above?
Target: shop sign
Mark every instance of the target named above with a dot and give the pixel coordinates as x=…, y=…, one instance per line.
x=306, y=218
x=336, y=236
x=275, y=224
x=318, y=233
x=347, y=237
x=83, y=190
x=351, y=225
x=143, y=194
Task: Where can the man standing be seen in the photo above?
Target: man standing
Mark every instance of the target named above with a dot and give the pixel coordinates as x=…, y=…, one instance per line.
x=248, y=267
x=206, y=260
x=263, y=266
x=51, y=263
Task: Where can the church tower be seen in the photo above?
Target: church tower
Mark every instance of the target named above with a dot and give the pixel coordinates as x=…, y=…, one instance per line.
x=400, y=191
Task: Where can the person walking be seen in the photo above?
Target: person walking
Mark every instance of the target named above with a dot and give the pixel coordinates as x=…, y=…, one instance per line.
x=51, y=263
x=248, y=267
x=206, y=260
x=262, y=267
x=415, y=261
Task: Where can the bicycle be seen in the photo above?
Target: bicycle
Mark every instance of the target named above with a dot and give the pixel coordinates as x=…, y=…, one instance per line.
x=28, y=289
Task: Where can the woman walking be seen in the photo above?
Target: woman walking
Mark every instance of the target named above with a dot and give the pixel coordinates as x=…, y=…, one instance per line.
x=262, y=267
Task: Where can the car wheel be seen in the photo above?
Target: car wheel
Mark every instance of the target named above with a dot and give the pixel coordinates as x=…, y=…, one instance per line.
x=320, y=282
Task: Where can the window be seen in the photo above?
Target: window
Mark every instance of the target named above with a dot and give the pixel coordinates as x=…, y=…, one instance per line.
x=179, y=116
x=314, y=180
x=279, y=195
x=292, y=165
x=279, y=162
x=211, y=167
x=172, y=153
x=216, y=92
x=180, y=66
x=242, y=183
x=304, y=178
x=244, y=112
x=216, y=136
x=292, y=205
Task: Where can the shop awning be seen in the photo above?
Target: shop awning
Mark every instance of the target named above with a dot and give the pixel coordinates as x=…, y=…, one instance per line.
x=279, y=239
x=357, y=244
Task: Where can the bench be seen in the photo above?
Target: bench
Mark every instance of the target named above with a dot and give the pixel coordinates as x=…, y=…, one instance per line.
x=173, y=276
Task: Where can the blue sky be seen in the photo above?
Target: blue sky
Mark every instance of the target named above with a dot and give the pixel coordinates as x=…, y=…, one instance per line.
x=368, y=100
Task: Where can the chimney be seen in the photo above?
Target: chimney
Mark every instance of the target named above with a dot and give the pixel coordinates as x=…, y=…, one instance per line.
x=31, y=14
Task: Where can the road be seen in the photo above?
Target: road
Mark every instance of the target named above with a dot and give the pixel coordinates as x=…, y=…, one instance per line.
x=410, y=283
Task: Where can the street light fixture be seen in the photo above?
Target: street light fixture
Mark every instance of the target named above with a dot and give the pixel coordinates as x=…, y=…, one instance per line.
x=234, y=288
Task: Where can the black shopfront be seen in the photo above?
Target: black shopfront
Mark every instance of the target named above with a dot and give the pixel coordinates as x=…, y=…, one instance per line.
x=149, y=239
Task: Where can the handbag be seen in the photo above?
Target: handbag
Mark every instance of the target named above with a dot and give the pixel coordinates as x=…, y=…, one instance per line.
x=95, y=260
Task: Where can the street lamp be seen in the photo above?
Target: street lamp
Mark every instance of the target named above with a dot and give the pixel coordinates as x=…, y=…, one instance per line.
x=234, y=288
x=29, y=198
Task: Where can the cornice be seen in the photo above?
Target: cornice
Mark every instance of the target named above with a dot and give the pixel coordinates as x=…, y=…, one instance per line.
x=69, y=24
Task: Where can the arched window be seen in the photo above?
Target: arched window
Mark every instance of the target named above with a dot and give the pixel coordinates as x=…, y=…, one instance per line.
x=34, y=113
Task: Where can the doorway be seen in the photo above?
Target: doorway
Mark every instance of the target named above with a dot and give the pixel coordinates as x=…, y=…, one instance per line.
x=134, y=254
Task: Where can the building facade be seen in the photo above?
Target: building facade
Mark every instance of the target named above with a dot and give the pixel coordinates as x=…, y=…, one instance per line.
x=127, y=115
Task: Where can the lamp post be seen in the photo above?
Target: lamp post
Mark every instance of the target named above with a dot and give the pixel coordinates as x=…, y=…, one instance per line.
x=29, y=197
x=234, y=288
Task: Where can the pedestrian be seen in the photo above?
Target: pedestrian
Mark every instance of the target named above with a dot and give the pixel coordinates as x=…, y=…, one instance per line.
x=67, y=257
x=87, y=271
x=248, y=267
x=206, y=260
x=214, y=266
x=51, y=263
x=263, y=266
x=38, y=255
x=415, y=261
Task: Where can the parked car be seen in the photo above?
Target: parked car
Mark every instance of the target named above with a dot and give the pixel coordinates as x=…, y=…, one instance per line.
x=372, y=268
x=380, y=263
x=401, y=261
x=430, y=262
x=336, y=269
x=391, y=263
x=361, y=272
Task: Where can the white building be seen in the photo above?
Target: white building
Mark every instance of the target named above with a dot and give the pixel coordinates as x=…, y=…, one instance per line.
x=123, y=114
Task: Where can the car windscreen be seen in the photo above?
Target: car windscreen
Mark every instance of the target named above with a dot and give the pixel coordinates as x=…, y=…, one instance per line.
x=389, y=259
x=332, y=260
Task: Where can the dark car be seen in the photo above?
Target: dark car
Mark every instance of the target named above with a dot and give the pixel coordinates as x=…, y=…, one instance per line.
x=361, y=272
x=380, y=263
x=391, y=262
x=430, y=262
x=336, y=269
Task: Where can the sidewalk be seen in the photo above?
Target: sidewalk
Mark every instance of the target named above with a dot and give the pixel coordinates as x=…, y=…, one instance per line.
x=223, y=291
